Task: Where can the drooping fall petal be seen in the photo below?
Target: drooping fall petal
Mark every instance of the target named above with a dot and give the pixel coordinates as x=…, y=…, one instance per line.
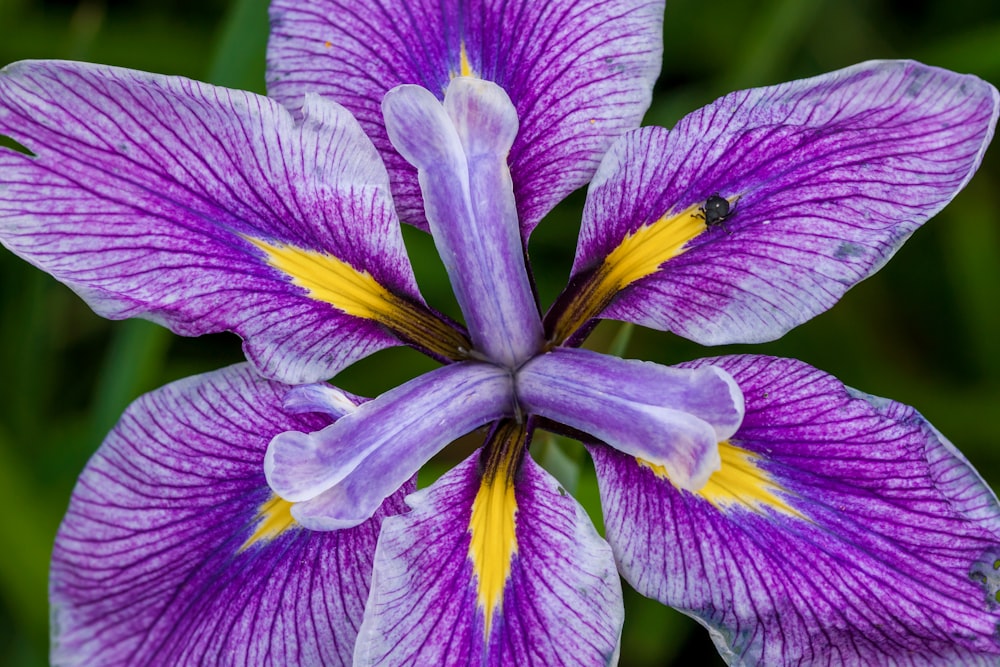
x=823, y=180
x=175, y=551
x=504, y=571
x=207, y=209
x=841, y=529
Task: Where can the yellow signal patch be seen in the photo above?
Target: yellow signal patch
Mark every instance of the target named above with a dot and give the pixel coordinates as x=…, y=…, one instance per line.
x=640, y=254
x=330, y=280
x=493, y=540
x=465, y=69
x=739, y=482
x=273, y=518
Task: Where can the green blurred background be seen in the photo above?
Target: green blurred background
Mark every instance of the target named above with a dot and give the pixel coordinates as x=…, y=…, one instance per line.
x=924, y=331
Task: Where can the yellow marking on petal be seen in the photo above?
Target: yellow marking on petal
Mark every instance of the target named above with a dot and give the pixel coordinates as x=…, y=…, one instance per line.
x=327, y=44
x=644, y=251
x=464, y=66
x=463, y=57
x=273, y=518
x=493, y=541
x=640, y=254
x=739, y=482
x=331, y=280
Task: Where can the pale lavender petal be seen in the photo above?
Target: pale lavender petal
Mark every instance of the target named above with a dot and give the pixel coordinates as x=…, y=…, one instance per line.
x=339, y=476
x=205, y=209
x=671, y=417
x=169, y=554
x=826, y=178
x=321, y=398
x=561, y=599
x=460, y=151
x=579, y=73
x=852, y=532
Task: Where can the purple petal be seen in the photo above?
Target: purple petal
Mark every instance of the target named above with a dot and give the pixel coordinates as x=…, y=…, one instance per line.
x=560, y=599
x=671, y=417
x=340, y=475
x=460, y=151
x=579, y=74
x=843, y=530
x=825, y=177
x=206, y=209
x=174, y=551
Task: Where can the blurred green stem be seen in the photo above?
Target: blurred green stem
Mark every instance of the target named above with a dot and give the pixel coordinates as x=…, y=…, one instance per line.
x=25, y=543
x=240, y=55
x=776, y=33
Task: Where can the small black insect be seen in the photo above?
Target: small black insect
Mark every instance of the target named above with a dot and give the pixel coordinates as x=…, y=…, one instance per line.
x=715, y=211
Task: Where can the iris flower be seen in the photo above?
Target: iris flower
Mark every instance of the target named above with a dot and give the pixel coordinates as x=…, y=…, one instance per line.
x=257, y=515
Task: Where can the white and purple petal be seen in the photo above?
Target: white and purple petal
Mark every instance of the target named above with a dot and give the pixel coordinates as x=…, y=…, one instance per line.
x=206, y=209
x=842, y=529
x=175, y=551
x=672, y=417
x=579, y=74
x=824, y=178
x=556, y=601
x=338, y=476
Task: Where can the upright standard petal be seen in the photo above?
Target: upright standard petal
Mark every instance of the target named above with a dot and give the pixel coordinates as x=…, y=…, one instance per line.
x=760, y=210
x=207, y=209
x=579, y=74
x=460, y=151
x=175, y=551
x=337, y=477
x=841, y=529
x=671, y=417
x=520, y=577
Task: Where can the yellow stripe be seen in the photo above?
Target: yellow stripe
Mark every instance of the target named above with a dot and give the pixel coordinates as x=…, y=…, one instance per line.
x=274, y=517
x=464, y=68
x=640, y=254
x=493, y=540
x=739, y=482
x=644, y=251
x=330, y=280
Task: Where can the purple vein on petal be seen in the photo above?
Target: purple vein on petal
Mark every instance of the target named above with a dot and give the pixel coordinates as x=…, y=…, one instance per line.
x=578, y=73
x=887, y=554
x=142, y=190
x=825, y=178
x=163, y=555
